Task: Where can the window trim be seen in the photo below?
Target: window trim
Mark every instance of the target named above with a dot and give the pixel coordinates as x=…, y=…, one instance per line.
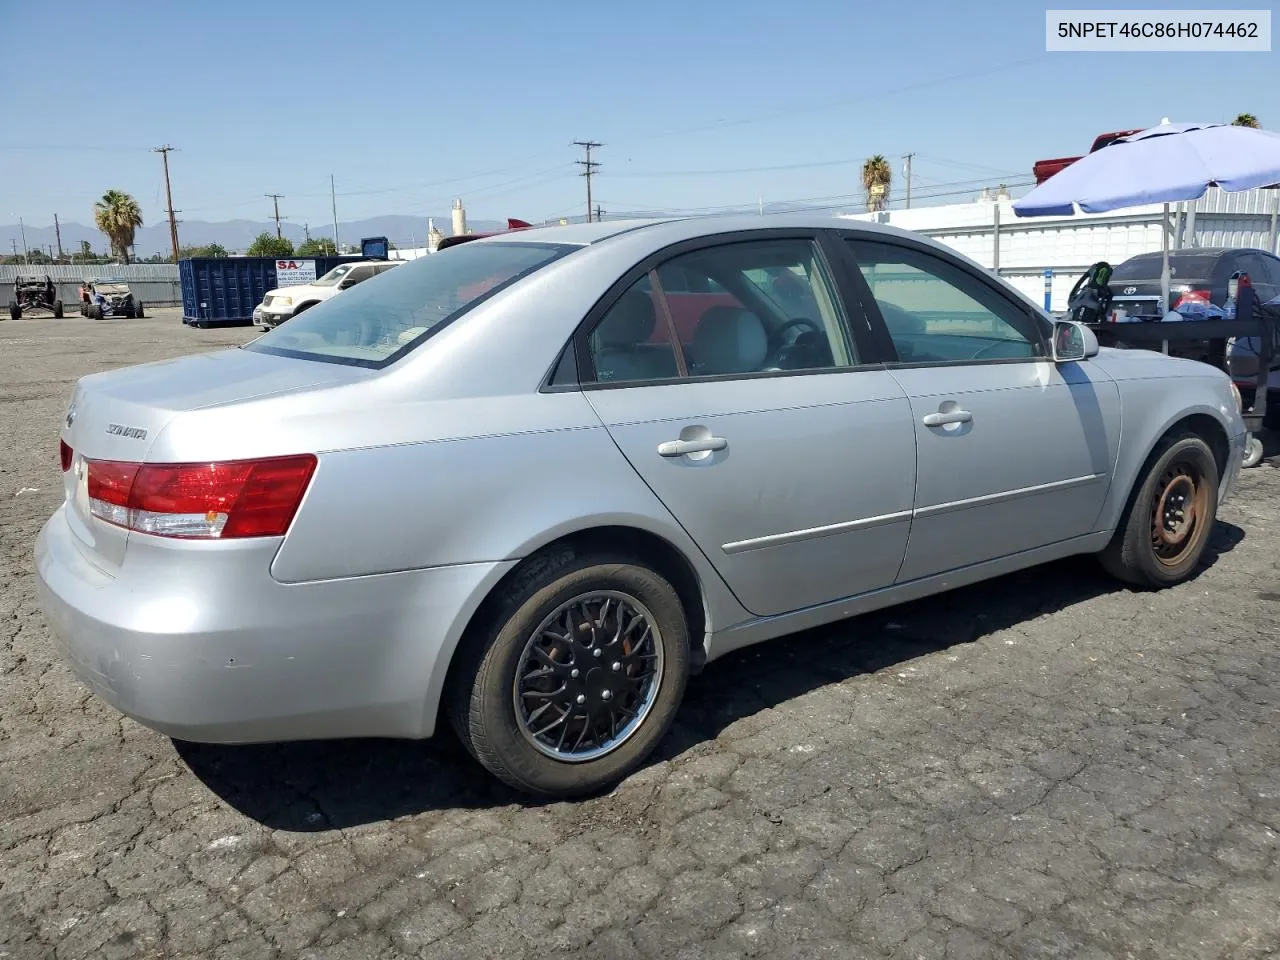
x=872, y=308
x=579, y=341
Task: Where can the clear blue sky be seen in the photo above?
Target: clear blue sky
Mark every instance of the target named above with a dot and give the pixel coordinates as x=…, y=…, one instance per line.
x=411, y=103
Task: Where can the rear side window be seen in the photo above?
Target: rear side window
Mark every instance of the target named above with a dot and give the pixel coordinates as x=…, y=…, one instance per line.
x=739, y=308
x=377, y=323
x=1185, y=267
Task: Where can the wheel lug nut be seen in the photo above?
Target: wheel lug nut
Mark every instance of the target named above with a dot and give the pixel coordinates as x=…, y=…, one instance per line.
x=581, y=698
x=617, y=665
x=573, y=672
x=596, y=652
x=606, y=694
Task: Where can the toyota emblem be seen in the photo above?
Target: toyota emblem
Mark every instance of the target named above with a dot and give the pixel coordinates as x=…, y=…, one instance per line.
x=71, y=416
x=1129, y=290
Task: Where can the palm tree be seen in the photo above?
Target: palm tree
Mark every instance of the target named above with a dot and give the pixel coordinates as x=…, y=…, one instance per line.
x=875, y=181
x=118, y=215
x=1246, y=120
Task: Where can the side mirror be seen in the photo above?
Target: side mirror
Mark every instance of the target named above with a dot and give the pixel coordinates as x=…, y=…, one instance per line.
x=1073, y=341
x=344, y=284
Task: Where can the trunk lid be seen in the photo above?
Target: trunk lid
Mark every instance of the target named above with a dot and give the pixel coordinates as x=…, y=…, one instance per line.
x=117, y=415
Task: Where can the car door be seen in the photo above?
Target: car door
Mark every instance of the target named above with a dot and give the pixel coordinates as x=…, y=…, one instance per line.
x=785, y=457
x=1013, y=451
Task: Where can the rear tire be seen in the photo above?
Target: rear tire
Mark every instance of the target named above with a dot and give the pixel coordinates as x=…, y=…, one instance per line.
x=57, y=309
x=95, y=312
x=1169, y=517
x=15, y=311
x=596, y=626
x=138, y=312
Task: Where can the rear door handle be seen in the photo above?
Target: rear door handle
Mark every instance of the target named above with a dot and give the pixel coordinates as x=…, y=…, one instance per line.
x=942, y=419
x=678, y=448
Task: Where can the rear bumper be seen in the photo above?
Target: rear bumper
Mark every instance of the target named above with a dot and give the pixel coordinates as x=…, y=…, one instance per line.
x=201, y=644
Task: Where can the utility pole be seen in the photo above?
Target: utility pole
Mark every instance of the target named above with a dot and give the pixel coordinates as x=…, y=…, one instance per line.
x=168, y=193
x=589, y=167
x=26, y=256
x=57, y=229
x=333, y=198
x=599, y=213
x=306, y=231
x=908, y=174
x=275, y=199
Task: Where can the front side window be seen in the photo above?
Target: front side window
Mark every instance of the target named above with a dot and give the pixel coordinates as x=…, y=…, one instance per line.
x=937, y=312
x=375, y=323
x=724, y=315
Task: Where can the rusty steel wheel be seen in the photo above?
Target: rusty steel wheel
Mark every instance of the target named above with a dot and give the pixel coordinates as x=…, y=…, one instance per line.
x=1180, y=502
x=1166, y=523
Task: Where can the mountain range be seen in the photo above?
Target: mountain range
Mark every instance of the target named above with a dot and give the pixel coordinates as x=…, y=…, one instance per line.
x=234, y=235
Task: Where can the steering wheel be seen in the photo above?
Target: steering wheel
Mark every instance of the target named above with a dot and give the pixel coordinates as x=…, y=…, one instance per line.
x=777, y=341
x=996, y=346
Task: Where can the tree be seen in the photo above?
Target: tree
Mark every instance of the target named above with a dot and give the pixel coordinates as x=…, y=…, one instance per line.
x=317, y=247
x=1246, y=120
x=268, y=245
x=875, y=181
x=118, y=215
x=215, y=250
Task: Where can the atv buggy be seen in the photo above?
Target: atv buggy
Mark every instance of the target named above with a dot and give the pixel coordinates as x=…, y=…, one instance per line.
x=108, y=298
x=34, y=293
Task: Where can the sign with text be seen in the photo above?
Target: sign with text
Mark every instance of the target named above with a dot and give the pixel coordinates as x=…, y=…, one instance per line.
x=290, y=273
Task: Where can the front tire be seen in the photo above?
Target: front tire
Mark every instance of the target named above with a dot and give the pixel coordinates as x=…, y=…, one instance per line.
x=138, y=312
x=57, y=309
x=576, y=677
x=1170, y=515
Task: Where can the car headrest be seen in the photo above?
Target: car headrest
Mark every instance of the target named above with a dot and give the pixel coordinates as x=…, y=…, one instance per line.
x=729, y=340
x=629, y=321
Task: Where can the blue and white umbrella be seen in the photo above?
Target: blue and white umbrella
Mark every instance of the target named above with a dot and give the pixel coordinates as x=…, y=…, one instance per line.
x=1165, y=164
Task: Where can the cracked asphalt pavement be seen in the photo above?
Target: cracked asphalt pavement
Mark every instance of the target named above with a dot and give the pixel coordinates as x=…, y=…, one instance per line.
x=1046, y=765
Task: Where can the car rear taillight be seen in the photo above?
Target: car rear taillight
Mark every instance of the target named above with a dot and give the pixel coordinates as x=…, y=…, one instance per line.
x=200, y=501
x=1203, y=297
x=65, y=454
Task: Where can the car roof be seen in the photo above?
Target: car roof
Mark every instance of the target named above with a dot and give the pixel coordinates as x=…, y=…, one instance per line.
x=663, y=230
x=1198, y=252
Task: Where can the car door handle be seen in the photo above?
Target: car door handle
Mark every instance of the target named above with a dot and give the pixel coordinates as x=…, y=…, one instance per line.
x=678, y=448
x=942, y=419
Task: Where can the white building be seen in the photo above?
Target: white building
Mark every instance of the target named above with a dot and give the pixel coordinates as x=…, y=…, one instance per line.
x=1023, y=248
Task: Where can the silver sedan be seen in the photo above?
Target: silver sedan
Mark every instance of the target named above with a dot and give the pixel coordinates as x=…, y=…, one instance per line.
x=527, y=485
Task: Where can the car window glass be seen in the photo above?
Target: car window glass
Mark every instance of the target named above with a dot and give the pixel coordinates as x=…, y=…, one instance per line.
x=373, y=323
x=750, y=307
x=937, y=312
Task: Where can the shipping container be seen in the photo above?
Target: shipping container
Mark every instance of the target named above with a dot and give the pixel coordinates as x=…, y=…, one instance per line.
x=225, y=290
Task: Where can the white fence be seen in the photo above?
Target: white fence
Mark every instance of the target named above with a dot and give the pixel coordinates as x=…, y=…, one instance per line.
x=152, y=283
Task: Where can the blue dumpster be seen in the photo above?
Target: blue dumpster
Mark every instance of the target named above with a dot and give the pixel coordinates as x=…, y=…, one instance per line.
x=225, y=290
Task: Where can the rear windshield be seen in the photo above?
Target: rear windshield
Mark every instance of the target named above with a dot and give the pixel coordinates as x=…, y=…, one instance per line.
x=378, y=321
x=1197, y=266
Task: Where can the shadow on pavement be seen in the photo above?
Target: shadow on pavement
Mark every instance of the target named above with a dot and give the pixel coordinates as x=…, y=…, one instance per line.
x=326, y=785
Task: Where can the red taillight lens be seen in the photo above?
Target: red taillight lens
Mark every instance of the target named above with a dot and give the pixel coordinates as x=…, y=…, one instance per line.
x=1204, y=297
x=210, y=501
x=65, y=454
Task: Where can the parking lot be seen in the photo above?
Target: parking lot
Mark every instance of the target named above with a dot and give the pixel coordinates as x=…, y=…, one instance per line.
x=1042, y=766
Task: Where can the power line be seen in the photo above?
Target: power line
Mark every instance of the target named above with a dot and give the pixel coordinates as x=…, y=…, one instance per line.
x=589, y=167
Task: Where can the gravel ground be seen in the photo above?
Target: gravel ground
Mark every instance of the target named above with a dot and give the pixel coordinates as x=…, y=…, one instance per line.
x=1041, y=766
